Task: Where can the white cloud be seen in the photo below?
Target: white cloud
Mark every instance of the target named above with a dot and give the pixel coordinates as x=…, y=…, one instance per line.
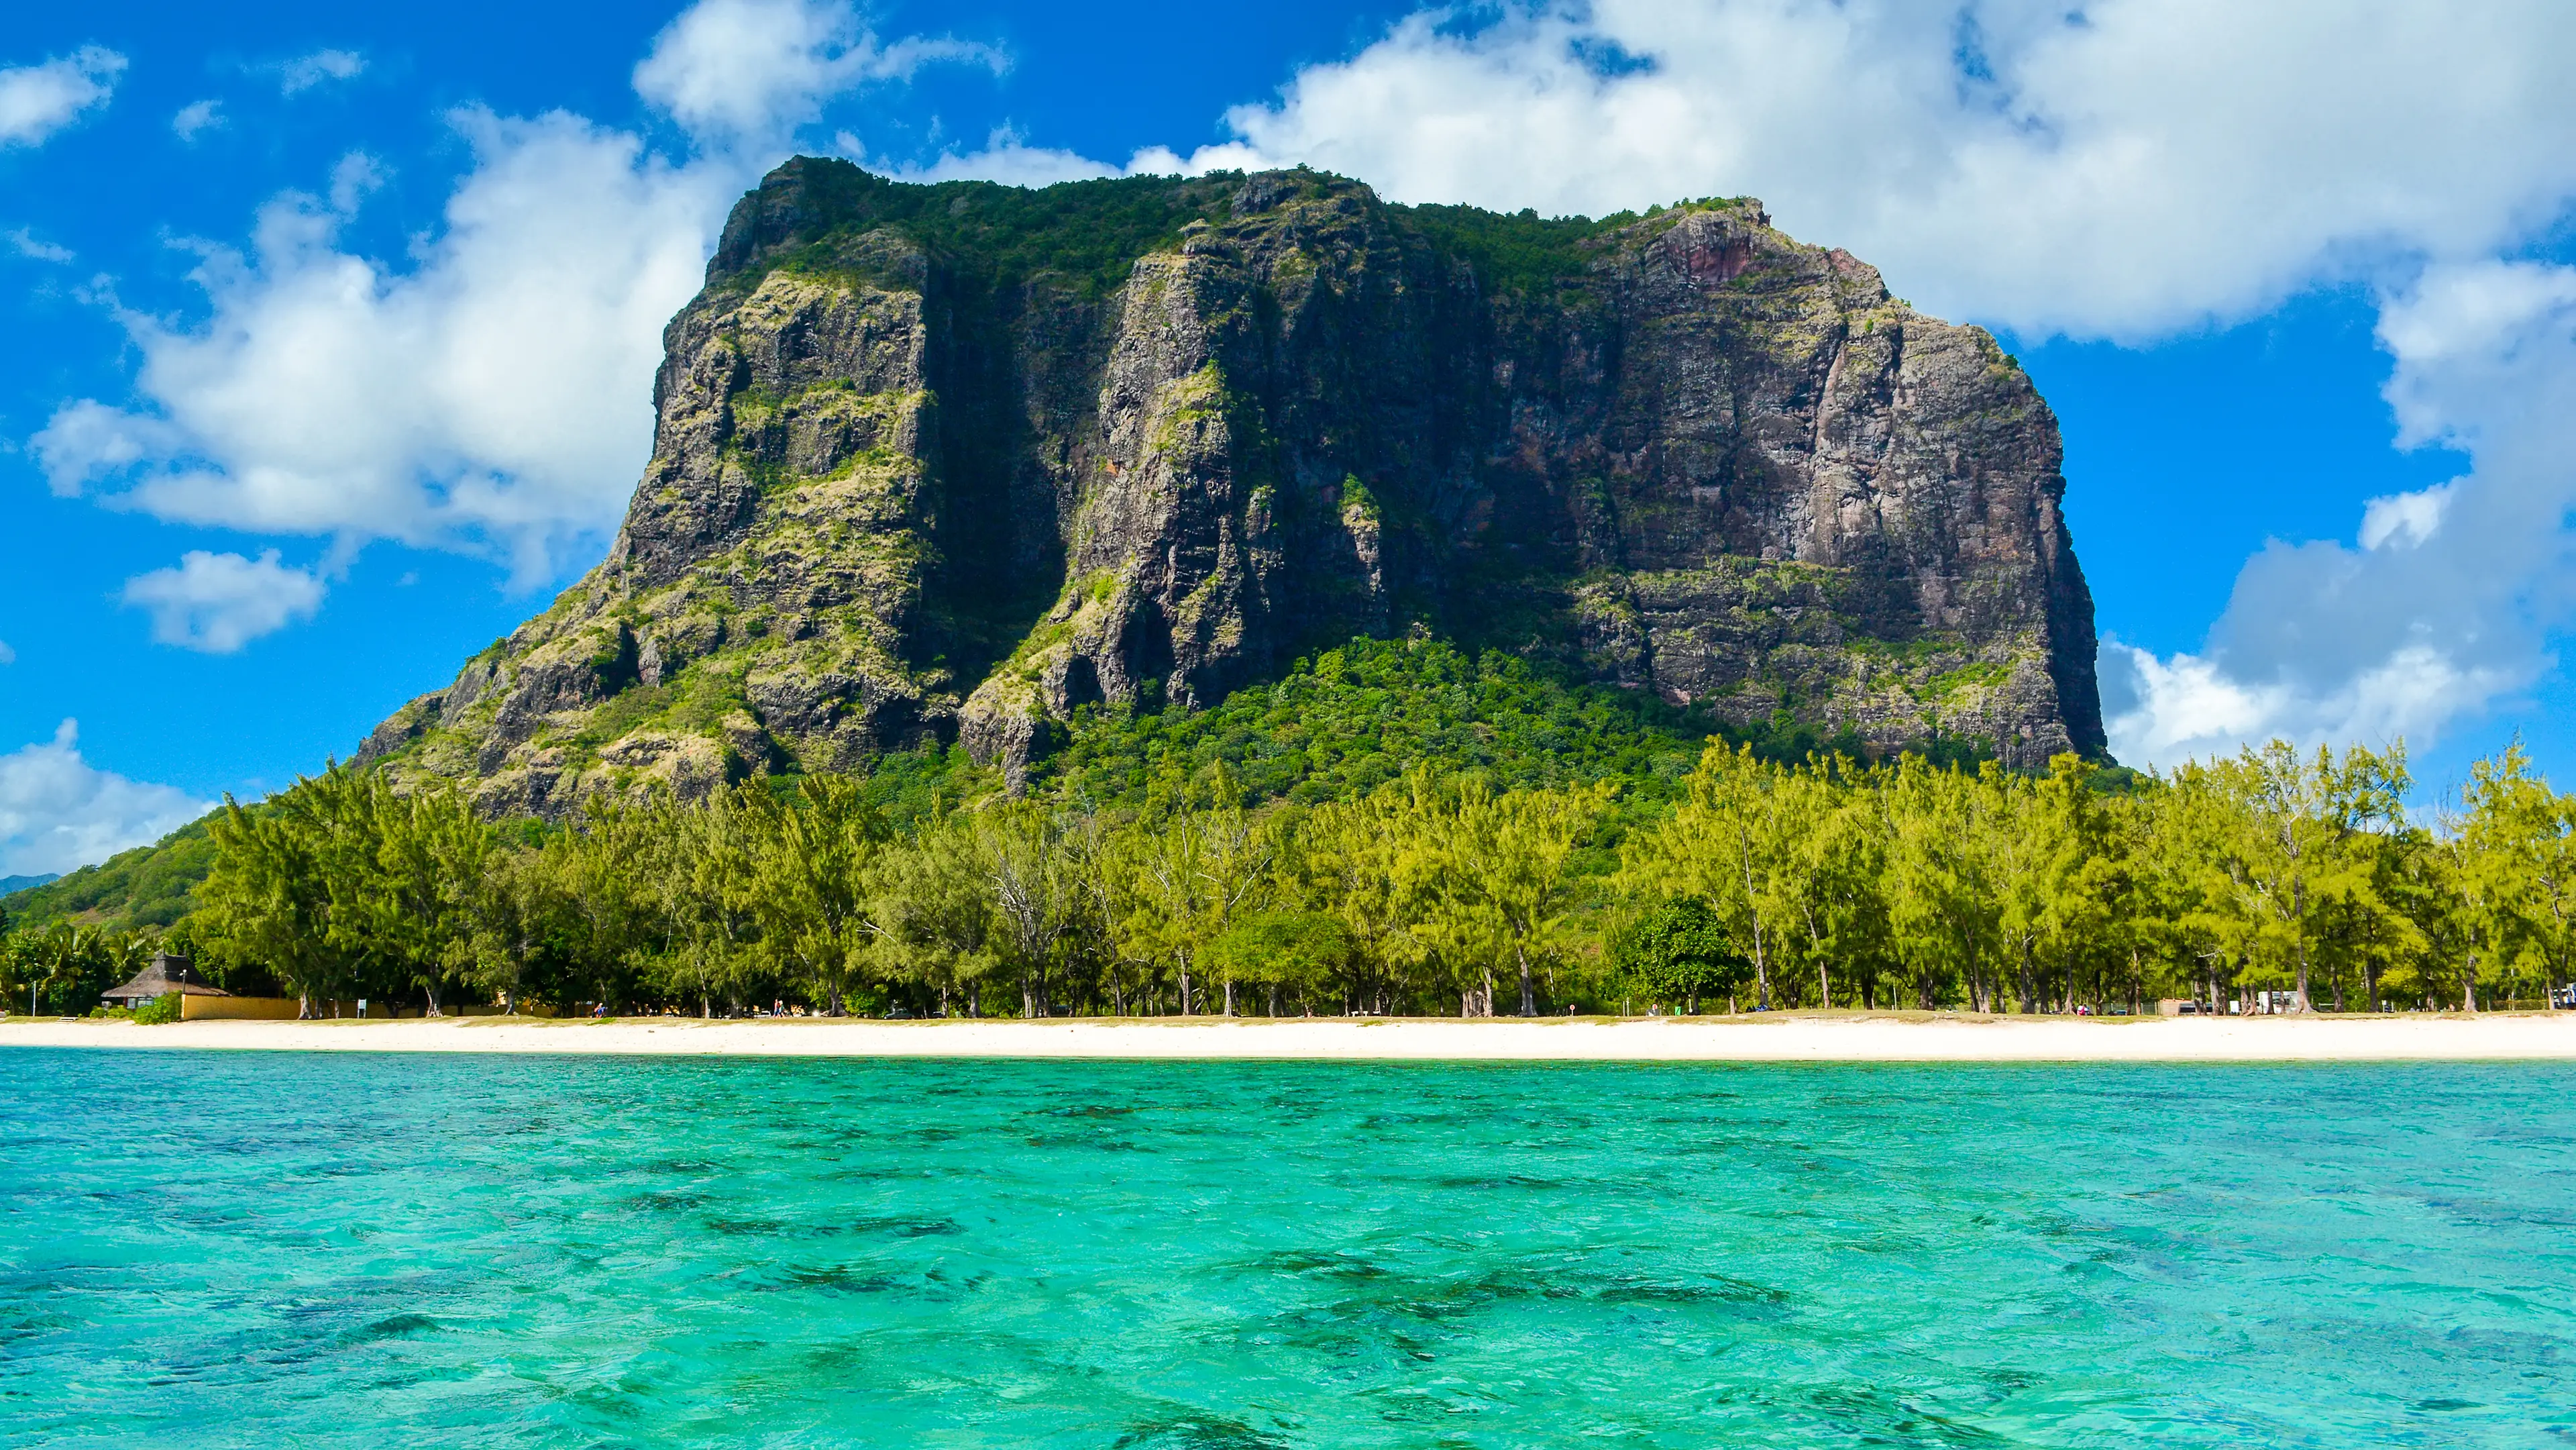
x=1006, y=157
x=755, y=70
x=499, y=390
x=196, y=118
x=2121, y=170
x=353, y=178
x=216, y=603
x=59, y=813
x=88, y=439
x=38, y=100
x=307, y=71
x=493, y=390
x=27, y=244
x=2446, y=607
x=2405, y=519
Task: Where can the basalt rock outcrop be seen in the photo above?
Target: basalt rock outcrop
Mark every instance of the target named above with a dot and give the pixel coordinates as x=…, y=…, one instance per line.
x=940, y=463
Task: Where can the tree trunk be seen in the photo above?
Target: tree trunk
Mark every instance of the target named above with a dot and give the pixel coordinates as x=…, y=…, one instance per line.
x=1529, y=1003
x=1753, y=909
x=1229, y=996
x=1185, y=986
x=1274, y=999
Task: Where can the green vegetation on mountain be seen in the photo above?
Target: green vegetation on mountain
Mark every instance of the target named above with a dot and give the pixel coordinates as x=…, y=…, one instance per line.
x=1348, y=720
x=1085, y=233
x=1515, y=252
x=1356, y=717
x=1090, y=233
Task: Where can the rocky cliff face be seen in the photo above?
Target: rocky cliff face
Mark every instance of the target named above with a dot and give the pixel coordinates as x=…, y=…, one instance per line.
x=954, y=461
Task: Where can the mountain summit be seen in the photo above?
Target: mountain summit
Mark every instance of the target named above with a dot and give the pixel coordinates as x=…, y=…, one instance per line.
x=950, y=462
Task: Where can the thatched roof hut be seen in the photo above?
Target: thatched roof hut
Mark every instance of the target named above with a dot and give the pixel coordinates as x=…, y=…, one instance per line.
x=167, y=974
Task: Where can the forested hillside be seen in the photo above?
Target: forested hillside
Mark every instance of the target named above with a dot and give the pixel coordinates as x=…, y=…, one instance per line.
x=149, y=886
x=1395, y=828
x=1348, y=720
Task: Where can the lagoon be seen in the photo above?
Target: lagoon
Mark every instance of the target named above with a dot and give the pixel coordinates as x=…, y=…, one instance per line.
x=360, y=1250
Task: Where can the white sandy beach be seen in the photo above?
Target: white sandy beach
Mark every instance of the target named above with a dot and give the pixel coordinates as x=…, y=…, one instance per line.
x=1787, y=1037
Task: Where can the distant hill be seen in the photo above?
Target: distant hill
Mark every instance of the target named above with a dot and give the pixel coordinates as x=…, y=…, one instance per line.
x=151, y=885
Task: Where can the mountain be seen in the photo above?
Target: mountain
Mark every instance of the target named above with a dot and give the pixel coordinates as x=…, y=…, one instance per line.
x=149, y=886
x=12, y=885
x=952, y=462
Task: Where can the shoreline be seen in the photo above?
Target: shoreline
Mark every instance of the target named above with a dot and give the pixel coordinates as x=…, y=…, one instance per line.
x=1855, y=1037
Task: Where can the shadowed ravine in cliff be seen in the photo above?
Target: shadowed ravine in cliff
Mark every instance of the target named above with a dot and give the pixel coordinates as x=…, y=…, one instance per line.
x=951, y=462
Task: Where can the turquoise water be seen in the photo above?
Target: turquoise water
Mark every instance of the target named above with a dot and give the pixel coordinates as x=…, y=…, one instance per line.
x=217, y=1249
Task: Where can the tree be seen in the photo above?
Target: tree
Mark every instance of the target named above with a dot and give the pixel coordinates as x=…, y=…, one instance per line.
x=1678, y=950
x=1944, y=907
x=1298, y=950
x=516, y=911
x=708, y=877
x=268, y=900
x=605, y=922
x=2518, y=853
x=813, y=881
x=1351, y=862
x=1034, y=894
x=1837, y=881
x=2303, y=817
x=1193, y=871
x=1727, y=844
x=432, y=857
x=66, y=966
x=934, y=908
x=1510, y=859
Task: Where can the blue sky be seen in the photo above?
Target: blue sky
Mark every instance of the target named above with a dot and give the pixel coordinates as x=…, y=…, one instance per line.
x=333, y=329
